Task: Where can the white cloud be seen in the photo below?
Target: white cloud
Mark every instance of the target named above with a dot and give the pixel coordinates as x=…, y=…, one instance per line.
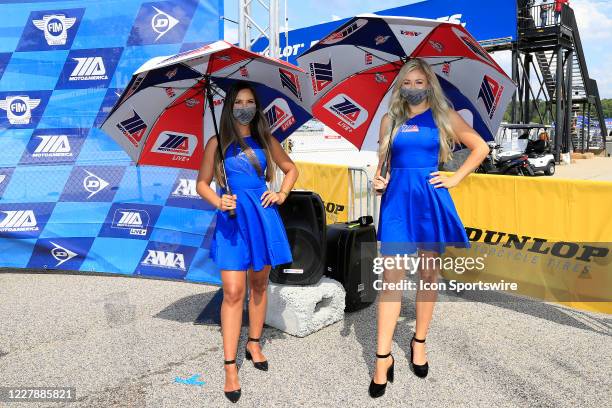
x=231, y=33
x=594, y=20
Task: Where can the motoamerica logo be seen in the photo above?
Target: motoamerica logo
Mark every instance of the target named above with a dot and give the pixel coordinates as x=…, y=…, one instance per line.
x=562, y=249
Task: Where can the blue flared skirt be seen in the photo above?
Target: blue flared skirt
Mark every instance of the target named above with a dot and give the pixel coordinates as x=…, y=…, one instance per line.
x=416, y=215
x=256, y=237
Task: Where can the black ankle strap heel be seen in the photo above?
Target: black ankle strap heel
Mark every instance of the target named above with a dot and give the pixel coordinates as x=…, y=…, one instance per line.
x=233, y=396
x=260, y=365
x=422, y=369
x=378, y=390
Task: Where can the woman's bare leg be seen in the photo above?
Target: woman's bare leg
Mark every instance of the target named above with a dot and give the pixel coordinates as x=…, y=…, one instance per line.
x=234, y=289
x=258, y=301
x=425, y=302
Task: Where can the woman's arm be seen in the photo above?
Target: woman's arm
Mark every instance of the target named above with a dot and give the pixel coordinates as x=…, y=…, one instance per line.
x=479, y=150
x=205, y=176
x=284, y=162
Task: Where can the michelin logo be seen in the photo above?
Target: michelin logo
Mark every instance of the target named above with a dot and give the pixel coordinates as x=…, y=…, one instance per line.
x=19, y=109
x=55, y=27
x=162, y=259
x=18, y=221
x=89, y=69
x=162, y=22
x=61, y=254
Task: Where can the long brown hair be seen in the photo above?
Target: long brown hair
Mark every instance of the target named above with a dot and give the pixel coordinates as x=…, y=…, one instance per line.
x=440, y=106
x=260, y=131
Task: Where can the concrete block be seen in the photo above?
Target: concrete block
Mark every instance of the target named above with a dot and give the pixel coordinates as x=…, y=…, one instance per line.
x=302, y=310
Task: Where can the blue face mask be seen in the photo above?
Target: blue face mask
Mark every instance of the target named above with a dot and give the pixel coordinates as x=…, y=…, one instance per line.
x=414, y=96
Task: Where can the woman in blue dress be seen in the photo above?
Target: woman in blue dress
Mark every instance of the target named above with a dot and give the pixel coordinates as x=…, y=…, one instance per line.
x=417, y=212
x=255, y=240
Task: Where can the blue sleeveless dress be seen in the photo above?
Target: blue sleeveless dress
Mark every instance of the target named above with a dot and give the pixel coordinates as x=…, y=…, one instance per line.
x=413, y=213
x=256, y=237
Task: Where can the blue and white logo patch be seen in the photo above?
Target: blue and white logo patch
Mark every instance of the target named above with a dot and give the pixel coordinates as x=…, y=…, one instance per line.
x=126, y=220
x=92, y=68
x=60, y=253
x=56, y=146
x=22, y=109
x=92, y=184
x=50, y=30
x=166, y=260
x=162, y=22
x=24, y=220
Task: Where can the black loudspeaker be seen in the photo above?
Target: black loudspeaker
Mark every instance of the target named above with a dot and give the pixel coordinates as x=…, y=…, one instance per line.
x=303, y=214
x=351, y=249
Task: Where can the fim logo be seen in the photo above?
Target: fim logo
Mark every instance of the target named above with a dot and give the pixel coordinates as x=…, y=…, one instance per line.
x=19, y=221
x=163, y=259
x=490, y=94
x=162, y=22
x=55, y=27
x=279, y=115
x=53, y=146
x=320, y=75
x=133, y=128
x=350, y=113
x=93, y=184
x=19, y=109
x=181, y=145
x=136, y=221
x=290, y=81
x=88, y=69
x=61, y=254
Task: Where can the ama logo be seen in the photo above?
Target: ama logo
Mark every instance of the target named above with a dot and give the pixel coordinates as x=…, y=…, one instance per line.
x=490, y=94
x=133, y=128
x=92, y=68
x=53, y=146
x=50, y=30
x=344, y=32
x=130, y=221
x=279, y=115
x=320, y=75
x=165, y=260
x=290, y=81
x=184, y=193
x=25, y=220
x=174, y=143
x=162, y=22
x=348, y=111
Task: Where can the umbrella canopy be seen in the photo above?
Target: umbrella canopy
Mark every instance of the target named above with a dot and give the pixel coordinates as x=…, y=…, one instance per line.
x=352, y=71
x=163, y=116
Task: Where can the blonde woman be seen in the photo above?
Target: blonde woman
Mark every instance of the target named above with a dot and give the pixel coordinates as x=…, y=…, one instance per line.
x=417, y=211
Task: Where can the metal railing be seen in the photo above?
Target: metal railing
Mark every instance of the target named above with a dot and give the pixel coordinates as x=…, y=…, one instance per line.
x=544, y=14
x=362, y=198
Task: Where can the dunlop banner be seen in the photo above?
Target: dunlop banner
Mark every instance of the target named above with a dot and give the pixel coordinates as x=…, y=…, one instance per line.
x=331, y=182
x=553, y=237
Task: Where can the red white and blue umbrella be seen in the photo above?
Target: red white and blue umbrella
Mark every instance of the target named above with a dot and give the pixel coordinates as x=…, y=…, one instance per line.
x=164, y=117
x=352, y=71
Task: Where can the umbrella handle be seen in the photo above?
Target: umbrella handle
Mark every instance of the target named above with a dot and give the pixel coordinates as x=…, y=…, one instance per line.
x=232, y=212
x=385, y=165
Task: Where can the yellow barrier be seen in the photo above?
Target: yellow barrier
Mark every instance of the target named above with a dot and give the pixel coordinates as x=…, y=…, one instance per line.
x=549, y=235
x=331, y=182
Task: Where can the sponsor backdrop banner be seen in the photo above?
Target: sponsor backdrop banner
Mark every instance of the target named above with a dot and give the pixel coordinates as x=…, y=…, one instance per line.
x=551, y=236
x=489, y=22
x=331, y=182
x=70, y=198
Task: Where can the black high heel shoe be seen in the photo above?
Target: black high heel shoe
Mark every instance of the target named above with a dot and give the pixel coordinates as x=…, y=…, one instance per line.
x=378, y=390
x=418, y=370
x=260, y=365
x=233, y=396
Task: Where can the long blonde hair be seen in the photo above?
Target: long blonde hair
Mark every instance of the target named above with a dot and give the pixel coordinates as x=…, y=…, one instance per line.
x=439, y=104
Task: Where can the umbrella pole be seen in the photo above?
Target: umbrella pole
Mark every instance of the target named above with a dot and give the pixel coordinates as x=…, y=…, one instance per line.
x=209, y=97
